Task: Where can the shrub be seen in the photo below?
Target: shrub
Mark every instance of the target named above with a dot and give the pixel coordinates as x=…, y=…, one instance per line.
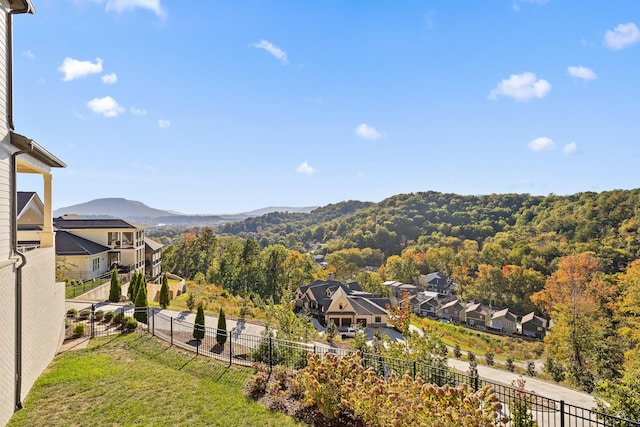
x=257, y=382
x=488, y=357
x=510, y=366
x=108, y=316
x=80, y=329
x=84, y=314
x=471, y=356
x=457, y=352
x=118, y=318
x=98, y=315
x=199, y=327
x=115, y=290
x=554, y=368
x=129, y=323
x=221, y=333
x=531, y=368
x=72, y=313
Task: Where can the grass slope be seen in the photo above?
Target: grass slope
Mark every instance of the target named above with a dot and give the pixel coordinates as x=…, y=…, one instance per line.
x=137, y=380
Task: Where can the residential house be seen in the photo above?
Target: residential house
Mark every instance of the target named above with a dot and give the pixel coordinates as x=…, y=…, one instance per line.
x=345, y=310
x=31, y=302
x=533, y=326
x=437, y=282
x=478, y=315
x=453, y=311
x=152, y=259
x=428, y=307
x=505, y=321
x=80, y=258
x=345, y=304
x=125, y=241
x=398, y=290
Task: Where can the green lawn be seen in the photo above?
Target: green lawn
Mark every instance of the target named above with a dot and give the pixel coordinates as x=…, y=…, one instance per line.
x=135, y=379
x=71, y=291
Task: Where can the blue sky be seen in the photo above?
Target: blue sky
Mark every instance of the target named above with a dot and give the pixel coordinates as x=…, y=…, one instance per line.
x=228, y=106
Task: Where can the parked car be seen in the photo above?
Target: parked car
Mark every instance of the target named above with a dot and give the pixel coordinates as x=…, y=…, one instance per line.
x=349, y=332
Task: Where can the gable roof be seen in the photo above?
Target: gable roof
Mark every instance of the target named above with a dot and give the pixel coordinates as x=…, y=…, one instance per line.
x=68, y=244
x=84, y=224
x=504, y=313
x=531, y=317
x=23, y=197
x=152, y=244
x=434, y=276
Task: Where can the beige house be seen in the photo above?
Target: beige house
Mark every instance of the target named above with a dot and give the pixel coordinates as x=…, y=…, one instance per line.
x=350, y=310
x=152, y=259
x=89, y=248
x=30, y=335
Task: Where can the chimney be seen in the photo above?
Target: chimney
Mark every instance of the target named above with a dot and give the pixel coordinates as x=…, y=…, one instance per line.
x=331, y=276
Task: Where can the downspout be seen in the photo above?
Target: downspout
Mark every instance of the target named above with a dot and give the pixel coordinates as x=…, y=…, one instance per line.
x=14, y=211
x=23, y=261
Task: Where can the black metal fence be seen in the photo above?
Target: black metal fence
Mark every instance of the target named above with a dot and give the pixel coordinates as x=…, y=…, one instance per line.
x=237, y=347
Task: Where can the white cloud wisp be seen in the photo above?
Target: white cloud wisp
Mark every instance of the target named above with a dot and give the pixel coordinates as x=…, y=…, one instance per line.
x=623, y=35
x=106, y=106
x=74, y=69
x=521, y=87
x=120, y=6
x=275, y=51
x=367, y=132
x=542, y=144
x=581, y=72
x=109, y=79
x=305, y=169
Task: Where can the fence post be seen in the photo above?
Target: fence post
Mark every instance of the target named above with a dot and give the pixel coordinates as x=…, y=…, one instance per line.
x=562, y=413
x=270, y=354
x=171, y=330
x=153, y=321
x=93, y=320
x=230, y=347
x=475, y=381
x=414, y=369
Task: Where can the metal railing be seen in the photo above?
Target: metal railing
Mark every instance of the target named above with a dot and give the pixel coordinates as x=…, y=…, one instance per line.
x=245, y=349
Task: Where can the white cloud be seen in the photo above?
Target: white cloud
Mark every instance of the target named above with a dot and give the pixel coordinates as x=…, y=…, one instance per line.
x=273, y=50
x=29, y=54
x=367, y=132
x=570, y=148
x=106, y=106
x=581, y=72
x=138, y=111
x=522, y=87
x=163, y=124
x=516, y=3
x=120, y=6
x=109, y=79
x=306, y=169
x=542, y=144
x=623, y=35
x=74, y=69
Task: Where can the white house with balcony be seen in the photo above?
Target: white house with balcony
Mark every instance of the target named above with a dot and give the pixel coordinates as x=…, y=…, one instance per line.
x=89, y=248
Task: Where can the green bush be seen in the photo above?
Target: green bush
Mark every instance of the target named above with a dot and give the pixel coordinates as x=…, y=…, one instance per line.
x=80, y=329
x=72, y=313
x=129, y=323
x=108, y=316
x=118, y=318
x=84, y=314
x=98, y=315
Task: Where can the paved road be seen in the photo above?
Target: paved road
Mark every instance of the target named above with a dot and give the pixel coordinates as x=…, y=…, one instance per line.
x=236, y=328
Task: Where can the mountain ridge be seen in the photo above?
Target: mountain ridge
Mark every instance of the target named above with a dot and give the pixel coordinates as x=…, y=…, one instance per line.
x=119, y=207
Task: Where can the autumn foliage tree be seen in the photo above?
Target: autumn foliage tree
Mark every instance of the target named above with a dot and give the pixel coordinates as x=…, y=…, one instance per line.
x=400, y=315
x=577, y=298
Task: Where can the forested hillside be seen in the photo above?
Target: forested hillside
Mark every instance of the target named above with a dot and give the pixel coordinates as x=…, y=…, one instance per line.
x=569, y=258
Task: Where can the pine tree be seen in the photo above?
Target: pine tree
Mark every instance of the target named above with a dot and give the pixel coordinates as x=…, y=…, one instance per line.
x=133, y=286
x=221, y=335
x=164, y=292
x=115, y=291
x=141, y=302
x=198, y=327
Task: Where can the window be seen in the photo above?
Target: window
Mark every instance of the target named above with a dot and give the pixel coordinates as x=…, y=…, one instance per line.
x=96, y=264
x=378, y=319
x=113, y=238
